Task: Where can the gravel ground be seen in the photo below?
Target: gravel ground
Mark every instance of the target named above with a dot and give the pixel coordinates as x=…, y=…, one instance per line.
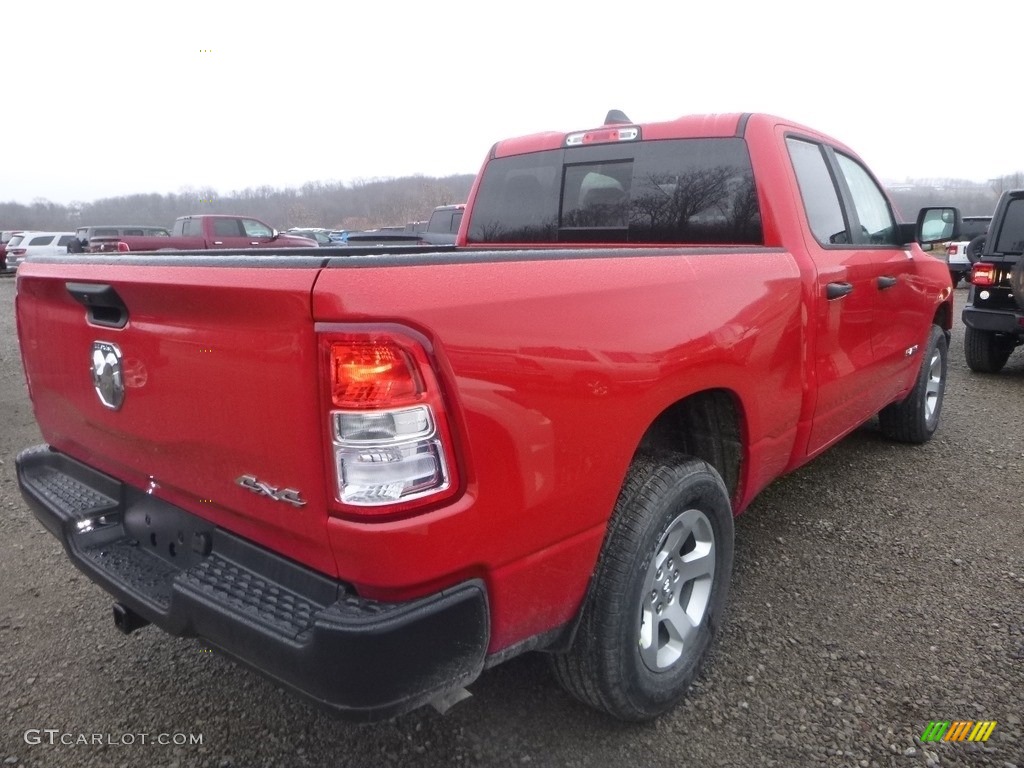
x=876, y=589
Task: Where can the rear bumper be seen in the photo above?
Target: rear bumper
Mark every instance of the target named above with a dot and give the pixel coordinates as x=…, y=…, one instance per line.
x=361, y=659
x=1000, y=321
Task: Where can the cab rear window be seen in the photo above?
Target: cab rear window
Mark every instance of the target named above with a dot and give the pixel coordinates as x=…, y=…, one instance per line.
x=698, y=191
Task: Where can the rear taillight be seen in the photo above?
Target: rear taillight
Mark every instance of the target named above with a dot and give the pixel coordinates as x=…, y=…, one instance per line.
x=951, y=249
x=390, y=440
x=983, y=274
x=122, y=247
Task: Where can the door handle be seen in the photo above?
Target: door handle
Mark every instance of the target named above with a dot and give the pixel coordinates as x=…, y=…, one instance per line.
x=254, y=242
x=837, y=290
x=218, y=242
x=886, y=281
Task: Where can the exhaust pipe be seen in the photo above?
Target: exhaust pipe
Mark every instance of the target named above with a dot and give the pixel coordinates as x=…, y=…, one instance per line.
x=127, y=620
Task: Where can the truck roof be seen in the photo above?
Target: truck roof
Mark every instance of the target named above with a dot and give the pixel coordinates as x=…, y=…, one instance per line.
x=685, y=127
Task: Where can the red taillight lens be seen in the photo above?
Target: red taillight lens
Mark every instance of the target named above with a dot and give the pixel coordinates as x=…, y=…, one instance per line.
x=389, y=437
x=983, y=274
x=122, y=247
x=951, y=249
x=367, y=374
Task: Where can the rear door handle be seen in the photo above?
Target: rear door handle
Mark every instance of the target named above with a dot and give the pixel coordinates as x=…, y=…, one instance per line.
x=837, y=290
x=885, y=281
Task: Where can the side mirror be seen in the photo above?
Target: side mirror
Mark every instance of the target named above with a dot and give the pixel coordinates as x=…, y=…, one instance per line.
x=935, y=225
x=274, y=234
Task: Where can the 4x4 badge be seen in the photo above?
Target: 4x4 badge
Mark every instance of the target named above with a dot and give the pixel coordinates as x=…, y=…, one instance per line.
x=107, y=376
x=287, y=495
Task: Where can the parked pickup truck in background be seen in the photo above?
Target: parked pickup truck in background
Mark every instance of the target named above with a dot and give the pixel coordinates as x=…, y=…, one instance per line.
x=443, y=225
x=203, y=232
x=960, y=255
x=371, y=474
x=441, y=229
x=109, y=233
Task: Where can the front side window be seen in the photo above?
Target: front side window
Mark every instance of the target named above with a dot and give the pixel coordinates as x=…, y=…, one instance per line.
x=877, y=225
x=65, y=239
x=693, y=191
x=255, y=228
x=818, y=190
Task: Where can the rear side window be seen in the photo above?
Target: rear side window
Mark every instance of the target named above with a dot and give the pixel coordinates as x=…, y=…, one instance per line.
x=41, y=240
x=818, y=190
x=191, y=227
x=1011, y=231
x=698, y=191
x=226, y=228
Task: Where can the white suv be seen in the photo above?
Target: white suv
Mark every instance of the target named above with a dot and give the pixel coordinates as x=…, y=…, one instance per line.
x=972, y=230
x=31, y=243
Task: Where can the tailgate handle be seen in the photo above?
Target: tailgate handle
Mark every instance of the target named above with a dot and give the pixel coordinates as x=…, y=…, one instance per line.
x=103, y=305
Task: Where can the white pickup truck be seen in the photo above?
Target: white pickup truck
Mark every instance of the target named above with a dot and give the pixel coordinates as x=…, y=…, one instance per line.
x=958, y=254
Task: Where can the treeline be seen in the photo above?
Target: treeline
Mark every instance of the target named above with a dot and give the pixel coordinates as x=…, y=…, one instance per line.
x=972, y=198
x=360, y=205
x=383, y=202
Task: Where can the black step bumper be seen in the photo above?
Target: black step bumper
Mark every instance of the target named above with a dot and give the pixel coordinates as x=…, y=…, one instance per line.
x=1000, y=321
x=361, y=659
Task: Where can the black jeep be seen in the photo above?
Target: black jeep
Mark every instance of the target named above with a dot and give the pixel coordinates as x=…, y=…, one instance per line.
x=994, y=314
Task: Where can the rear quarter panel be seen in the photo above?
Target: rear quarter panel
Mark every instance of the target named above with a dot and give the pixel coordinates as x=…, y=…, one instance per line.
x=555, y=367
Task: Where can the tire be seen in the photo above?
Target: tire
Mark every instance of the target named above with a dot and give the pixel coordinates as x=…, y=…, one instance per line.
x=974, y=248
x=1017, y=282
x=987, y=351
x=915, y=418
x=658, y=592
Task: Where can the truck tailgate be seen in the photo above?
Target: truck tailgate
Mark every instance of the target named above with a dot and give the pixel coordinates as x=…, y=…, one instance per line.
x=207, y=396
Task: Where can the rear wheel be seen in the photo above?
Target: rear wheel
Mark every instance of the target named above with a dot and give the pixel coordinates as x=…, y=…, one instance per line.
x=987, y=351
x=916, y=417
x=658, y=591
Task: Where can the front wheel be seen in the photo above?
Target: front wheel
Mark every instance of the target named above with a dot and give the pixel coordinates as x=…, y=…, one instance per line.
x=658, y=591
x=915, y=418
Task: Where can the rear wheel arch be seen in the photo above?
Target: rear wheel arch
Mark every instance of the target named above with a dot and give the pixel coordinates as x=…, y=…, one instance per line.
x=708, y=425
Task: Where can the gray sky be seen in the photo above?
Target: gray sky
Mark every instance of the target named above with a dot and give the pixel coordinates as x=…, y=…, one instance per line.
x=115, y=98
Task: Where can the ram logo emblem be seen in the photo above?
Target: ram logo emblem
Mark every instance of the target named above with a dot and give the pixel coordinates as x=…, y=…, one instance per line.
x=287, y=495
x=107, y=375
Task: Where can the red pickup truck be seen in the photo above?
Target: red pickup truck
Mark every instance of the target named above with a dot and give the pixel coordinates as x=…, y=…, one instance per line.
x=372, y=475
x=202, y=232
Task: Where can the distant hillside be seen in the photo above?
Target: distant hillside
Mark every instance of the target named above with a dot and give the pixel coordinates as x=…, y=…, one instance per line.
x=383, y=202
x=359, y=205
